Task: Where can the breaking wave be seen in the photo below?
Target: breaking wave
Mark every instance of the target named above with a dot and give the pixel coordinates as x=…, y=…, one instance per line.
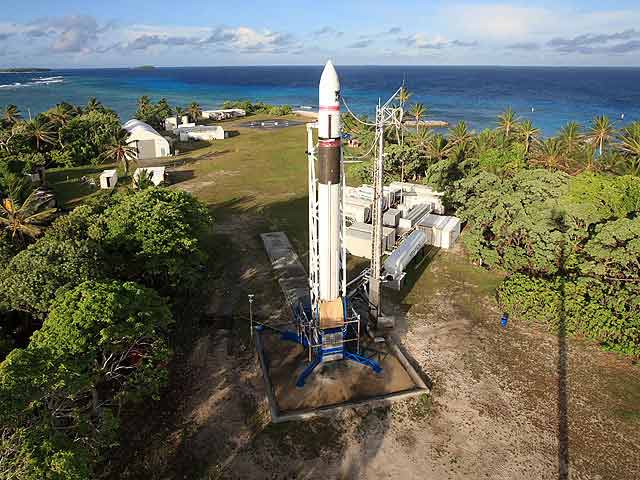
x=35, y=82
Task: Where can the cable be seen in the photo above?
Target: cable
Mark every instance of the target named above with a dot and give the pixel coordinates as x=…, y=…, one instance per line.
x=373, y=146
x=354, y=115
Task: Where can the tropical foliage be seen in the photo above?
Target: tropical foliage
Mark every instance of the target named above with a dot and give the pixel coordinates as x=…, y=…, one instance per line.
x=83, y=333
x=559, y=215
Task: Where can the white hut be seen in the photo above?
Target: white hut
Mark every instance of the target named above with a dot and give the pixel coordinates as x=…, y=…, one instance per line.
x=108, y=179
x=157, y=175
x=170, y=123
x=148, y=142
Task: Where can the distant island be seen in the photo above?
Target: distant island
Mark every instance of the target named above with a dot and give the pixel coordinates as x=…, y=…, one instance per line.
x=145, y=67
x=24, y=70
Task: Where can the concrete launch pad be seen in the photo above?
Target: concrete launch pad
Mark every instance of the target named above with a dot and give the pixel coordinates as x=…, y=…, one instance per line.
x=333, y=385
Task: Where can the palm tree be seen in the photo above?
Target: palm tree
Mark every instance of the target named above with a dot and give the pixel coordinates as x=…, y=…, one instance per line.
x=195, y=111
x=40, y=131
x=61, y=114
x=571, y=137
x=529, y=135
x=418, y=111
x=629, y=140
x=403, y=96
x=437, y=148
x=29, y=218
x=460, y=136
x=180, y=112
x=11, y=115
x=93, y=105
x=508, y=122
x=601, y=133
x=119, y=150
x=144, y=102
x=550, y=153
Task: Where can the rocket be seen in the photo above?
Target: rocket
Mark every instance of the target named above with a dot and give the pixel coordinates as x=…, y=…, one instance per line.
x=329, y=184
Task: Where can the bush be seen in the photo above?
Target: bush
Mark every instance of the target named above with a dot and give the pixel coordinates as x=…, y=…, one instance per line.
x=33, y=277
x=608, y=314
x=155, y=236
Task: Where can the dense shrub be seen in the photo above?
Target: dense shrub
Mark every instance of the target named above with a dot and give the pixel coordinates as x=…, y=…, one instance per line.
x=102, y=344
x=606, y=313
x=155, y=236
x=252, y=108
x=32, y=278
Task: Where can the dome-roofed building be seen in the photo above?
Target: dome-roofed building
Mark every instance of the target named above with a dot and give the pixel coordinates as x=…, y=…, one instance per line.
x=148, y=142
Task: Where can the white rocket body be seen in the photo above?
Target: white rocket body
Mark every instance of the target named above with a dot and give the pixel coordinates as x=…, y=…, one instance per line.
x=329, y=184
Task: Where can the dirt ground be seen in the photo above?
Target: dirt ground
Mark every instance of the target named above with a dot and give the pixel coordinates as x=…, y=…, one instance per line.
x=331, y=383
x=495, y=410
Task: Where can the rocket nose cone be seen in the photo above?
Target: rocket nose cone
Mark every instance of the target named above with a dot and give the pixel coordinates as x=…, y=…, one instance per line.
x=329, y=78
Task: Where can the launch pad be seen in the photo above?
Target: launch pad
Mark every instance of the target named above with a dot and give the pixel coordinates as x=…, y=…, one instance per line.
x=335, y=385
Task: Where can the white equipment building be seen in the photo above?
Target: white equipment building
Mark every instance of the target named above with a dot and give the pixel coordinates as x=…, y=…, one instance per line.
x=207, y=133
x=224, y=113
x=170, y=123
x=147, y=141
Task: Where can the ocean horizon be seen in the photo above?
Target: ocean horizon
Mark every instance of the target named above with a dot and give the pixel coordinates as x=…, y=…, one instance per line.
x=548, y=96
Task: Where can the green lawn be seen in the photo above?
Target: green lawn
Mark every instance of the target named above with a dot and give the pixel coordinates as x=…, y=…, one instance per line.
x=68, y=186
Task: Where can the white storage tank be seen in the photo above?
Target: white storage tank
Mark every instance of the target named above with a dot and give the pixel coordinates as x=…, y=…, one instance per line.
x=395, y=264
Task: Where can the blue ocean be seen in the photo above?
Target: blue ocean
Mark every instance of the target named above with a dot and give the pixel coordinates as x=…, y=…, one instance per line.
x=550, y=97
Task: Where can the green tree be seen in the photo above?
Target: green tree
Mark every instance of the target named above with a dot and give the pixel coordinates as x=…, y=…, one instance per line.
x=118, y=330
x=629, y=146
x=93, y=105
x=508, y=123
x=11, y=115
x=601, y=133
x=40, y=132
x=155, y=236
x=119, y=150
x=528, y=134
x=571, y=137
x=550, y=154
x=418, y=111
x=195, y=111
x=33, y=277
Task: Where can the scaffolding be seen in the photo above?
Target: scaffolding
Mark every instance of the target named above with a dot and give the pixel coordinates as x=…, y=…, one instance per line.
x=325, y=343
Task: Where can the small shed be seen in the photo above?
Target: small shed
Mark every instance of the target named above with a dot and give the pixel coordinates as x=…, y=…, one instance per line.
x=147, y=141
x=170, y=123
x=108, y=179
x=157, y=175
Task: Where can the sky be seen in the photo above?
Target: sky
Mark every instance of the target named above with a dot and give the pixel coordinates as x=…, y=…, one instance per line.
x=119, y=33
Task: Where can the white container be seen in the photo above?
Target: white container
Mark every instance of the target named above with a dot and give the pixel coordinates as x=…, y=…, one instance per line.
x=356, y=212
x=358, y=243
x=108, y=179
x=391, y=217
